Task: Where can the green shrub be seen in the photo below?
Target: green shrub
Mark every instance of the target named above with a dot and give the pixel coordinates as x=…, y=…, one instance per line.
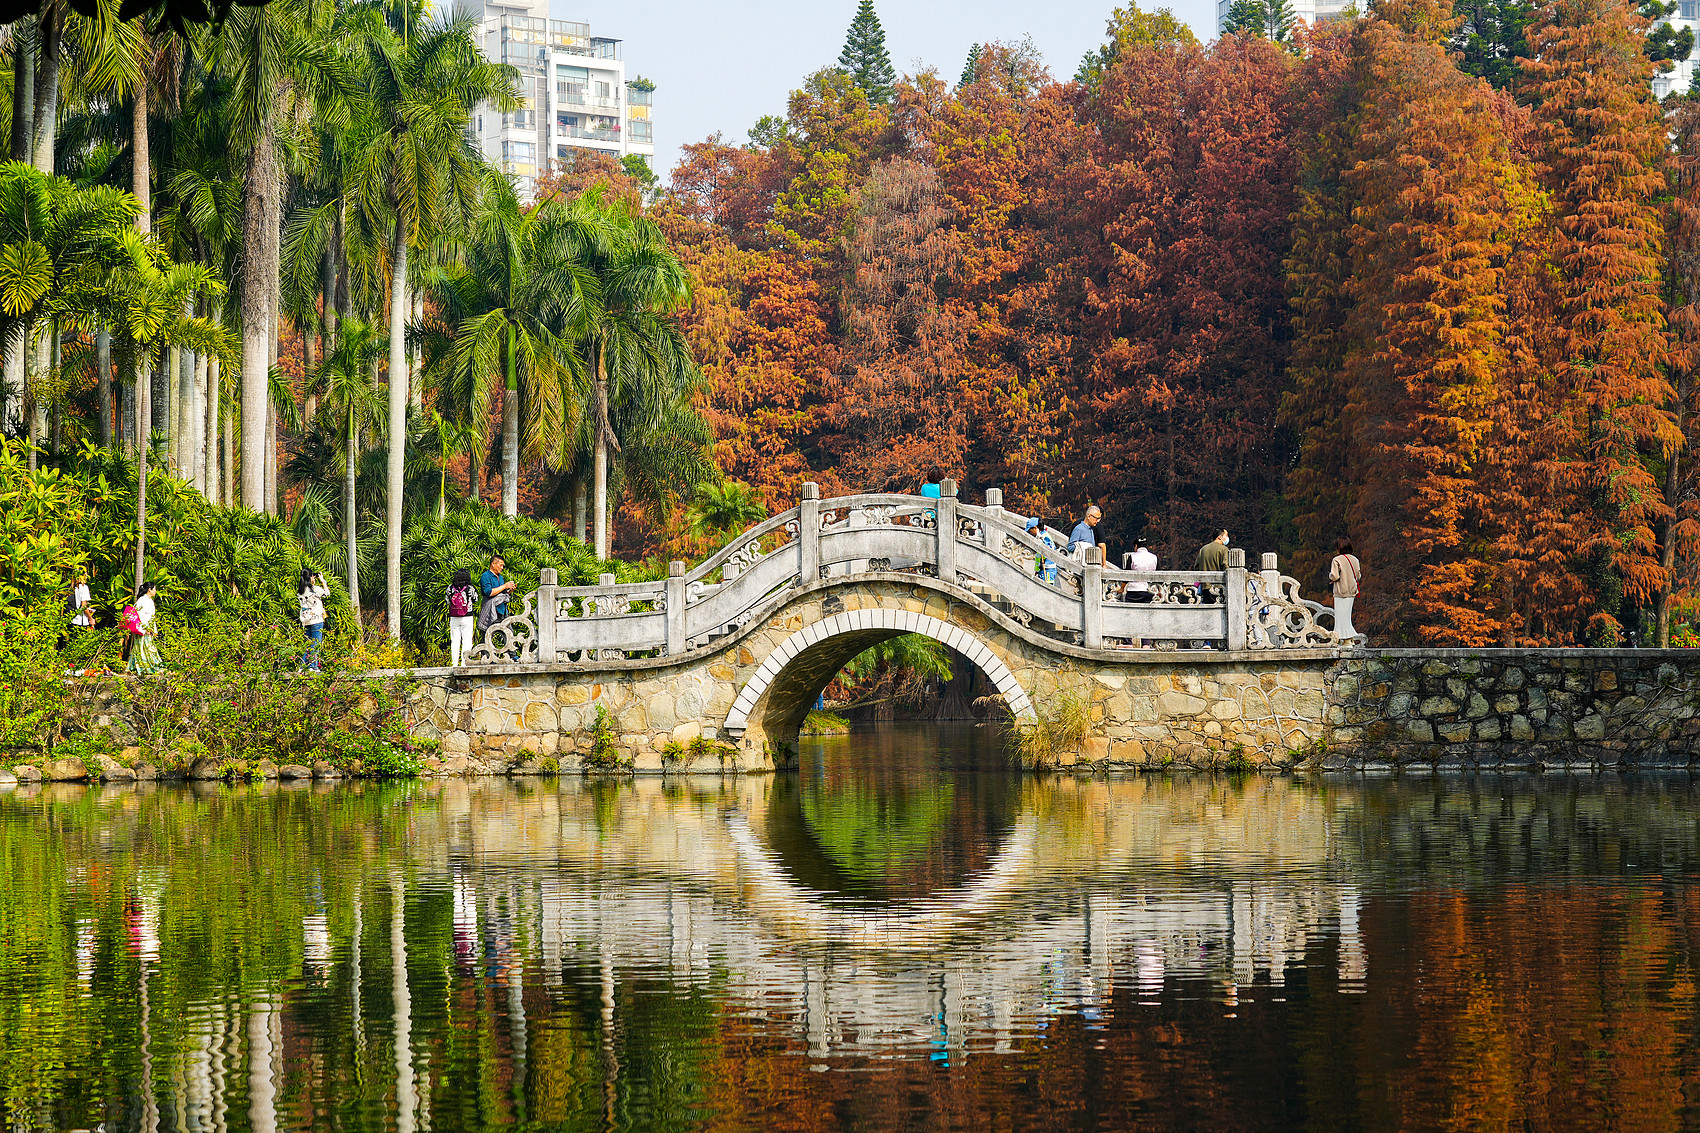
x=435, y=548
x=32, y=685
x=604, y=754
x=209, y=562
x=703, y=748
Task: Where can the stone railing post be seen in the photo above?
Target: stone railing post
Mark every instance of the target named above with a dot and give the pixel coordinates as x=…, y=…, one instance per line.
x=1092, y=599
x=547, y=609
x=808, y=534
x=675, y=608
x=945, y=558
x=1233, y=598
x=994, y=505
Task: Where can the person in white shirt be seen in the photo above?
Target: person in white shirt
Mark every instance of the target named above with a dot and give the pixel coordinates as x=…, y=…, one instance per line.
x=1142, y=559
x=311, y=593
x=141, y=652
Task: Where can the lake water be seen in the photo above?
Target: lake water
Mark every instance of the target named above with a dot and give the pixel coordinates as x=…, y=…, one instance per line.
x=899, y=936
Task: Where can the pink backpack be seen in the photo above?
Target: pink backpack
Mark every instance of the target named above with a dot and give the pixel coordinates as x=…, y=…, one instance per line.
x=458, y=606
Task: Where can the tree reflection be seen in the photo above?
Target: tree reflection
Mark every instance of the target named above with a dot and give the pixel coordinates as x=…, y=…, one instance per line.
x=1189, y=954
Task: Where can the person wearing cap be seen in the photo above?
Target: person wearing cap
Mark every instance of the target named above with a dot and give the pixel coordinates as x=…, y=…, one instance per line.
x=1045, y=568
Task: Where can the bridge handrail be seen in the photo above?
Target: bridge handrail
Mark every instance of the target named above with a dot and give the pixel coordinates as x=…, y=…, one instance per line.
x=746, y=547
x=1250, y=609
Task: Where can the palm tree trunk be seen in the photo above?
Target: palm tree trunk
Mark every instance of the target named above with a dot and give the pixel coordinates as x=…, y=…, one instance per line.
x=23, y=89
x=36, y=366
x=58, y=403
x=398, y=427
x=510, y=433
x=210, y=484
x=227, y=442
x=579, y=506
x=602, y=430
x=126, y=416
x=416, y=356
x=350, y=513
x=143, y=428
x=327, y=285
x=103, y=376
x=198, y=425
x=44, y=128
x=260, y=210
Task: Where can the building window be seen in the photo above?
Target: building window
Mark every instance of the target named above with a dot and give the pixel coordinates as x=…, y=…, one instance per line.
x=602, y=90
x=518, y=151
x=640, y=131
x=1689, y=9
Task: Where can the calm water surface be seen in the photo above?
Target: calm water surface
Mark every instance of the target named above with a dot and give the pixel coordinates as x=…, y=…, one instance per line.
x=899, y=936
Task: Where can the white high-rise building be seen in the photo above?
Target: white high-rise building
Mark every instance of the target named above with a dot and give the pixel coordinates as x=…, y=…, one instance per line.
x=573, y=91
x=1310, y=12
x=1676, y=80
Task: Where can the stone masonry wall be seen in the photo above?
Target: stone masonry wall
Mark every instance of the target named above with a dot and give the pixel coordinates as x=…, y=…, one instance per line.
x=1515, y=708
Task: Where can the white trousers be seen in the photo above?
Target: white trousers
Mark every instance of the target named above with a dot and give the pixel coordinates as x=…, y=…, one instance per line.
x=463, y=632
x=1343, y=617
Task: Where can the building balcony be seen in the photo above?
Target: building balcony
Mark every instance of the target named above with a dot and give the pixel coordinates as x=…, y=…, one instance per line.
x=587, y=134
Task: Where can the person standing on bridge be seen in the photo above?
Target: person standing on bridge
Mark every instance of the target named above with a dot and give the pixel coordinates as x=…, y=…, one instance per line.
x=1213, y=556
x=1344, y=572
x=1085, y=533
x=1046, y=566
x=463, y=616
x=493, y=585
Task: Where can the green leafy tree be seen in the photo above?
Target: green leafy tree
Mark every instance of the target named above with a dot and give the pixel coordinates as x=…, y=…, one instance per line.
x=414, y=167
x=352, y=402
x=1126, y=29
x=866, y=58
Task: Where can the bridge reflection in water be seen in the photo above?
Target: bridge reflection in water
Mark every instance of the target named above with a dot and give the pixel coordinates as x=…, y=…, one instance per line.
x=469, y=953
x=871, y=905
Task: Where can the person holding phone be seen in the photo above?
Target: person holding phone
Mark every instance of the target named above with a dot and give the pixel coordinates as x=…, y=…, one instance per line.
x=311, y=592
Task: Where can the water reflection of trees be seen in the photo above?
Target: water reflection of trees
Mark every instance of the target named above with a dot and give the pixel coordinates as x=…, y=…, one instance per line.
x=1526, y=958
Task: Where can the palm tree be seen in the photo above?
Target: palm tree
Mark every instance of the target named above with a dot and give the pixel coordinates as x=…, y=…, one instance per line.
x=643, y=367
x=271, y=60
x=412, y=163
x=350, y=397
x=725, y=506
x=515, y=308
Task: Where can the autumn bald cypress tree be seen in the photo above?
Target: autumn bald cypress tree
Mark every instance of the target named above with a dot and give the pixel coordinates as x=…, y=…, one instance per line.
x=1436, y=193
x=865, y=56
x=1602, y=162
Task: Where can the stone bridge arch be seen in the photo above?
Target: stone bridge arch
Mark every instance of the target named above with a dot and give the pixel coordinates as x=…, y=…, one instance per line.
x=778, y=695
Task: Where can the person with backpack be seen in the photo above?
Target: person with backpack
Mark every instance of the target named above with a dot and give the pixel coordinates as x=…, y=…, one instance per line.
x=141, y=653
x=311, y=593
x=463, y=616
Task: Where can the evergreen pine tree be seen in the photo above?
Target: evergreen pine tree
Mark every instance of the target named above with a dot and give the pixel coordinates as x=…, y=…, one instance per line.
x=1277, y=20
x=865, y=56
x=970, y=69
x=1245, y=17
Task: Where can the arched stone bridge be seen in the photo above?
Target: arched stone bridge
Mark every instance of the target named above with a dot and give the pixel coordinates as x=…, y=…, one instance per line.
x=738, y=649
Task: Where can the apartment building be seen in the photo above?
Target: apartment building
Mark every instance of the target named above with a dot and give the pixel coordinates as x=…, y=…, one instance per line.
x=574, y=95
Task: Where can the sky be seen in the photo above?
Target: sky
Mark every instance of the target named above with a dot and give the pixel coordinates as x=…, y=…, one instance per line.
x=720, y=67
